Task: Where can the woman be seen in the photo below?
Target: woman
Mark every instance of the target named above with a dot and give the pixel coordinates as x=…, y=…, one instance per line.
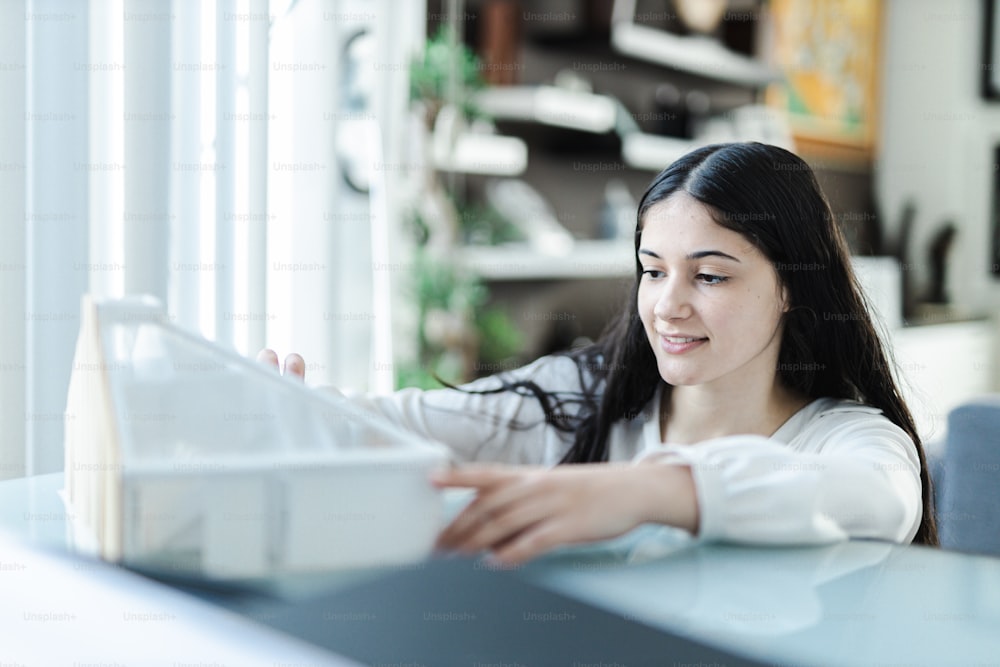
x=742, y=395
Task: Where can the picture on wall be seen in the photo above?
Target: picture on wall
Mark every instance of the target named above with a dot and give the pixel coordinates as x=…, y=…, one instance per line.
x=828, y=52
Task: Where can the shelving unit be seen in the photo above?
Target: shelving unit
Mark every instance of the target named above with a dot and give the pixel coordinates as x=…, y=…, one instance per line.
x=588, y=259
x=585, y=124
x=571, y=99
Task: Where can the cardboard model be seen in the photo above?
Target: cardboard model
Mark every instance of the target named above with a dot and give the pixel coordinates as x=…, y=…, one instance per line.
x=185, y=457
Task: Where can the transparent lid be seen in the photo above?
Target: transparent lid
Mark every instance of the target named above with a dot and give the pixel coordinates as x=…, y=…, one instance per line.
x=182, y=400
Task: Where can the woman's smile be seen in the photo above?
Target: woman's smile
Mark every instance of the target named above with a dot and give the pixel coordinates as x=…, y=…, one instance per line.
x=680, y=344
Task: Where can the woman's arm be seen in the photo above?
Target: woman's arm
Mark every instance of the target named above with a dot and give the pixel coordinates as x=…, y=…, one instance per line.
x=519, y=513
x=502, y=427
x=860, y=480
x=863, y=481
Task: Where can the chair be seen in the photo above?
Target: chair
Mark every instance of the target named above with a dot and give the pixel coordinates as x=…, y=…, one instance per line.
x=967, y=478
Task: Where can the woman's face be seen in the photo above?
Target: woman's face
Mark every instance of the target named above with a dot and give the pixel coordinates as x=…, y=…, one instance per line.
x=710, y=302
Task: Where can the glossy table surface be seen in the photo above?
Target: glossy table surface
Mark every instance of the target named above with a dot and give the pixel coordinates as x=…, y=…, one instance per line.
x=853, y=603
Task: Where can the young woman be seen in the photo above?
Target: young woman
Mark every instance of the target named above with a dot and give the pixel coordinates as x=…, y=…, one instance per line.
x=742, y=395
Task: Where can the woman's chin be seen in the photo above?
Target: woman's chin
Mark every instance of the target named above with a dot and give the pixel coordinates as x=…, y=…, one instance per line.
x=678, y=378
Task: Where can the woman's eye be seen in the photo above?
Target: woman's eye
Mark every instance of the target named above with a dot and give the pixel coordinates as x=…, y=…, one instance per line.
x=652, y=273
x=709, y=279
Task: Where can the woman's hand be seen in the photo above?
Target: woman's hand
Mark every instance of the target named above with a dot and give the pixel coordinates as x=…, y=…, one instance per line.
x=295, y=365
x=522, y=512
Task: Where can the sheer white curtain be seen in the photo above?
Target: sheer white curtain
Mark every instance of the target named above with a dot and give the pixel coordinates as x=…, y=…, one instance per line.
x=188, y=150
x=13, y=242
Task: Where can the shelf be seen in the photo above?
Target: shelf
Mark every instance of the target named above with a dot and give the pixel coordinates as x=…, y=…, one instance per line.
x=750, y=122
x=651, y=151
x=486, y=154
x=698, y=55
x=551, y=105
x=519, y=261
x=455, y=149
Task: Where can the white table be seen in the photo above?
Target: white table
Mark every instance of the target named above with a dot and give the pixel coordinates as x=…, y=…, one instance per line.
x=855, y=603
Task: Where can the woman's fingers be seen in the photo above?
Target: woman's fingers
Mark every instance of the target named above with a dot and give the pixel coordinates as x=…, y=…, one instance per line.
x=496, y=485
x=496, y=516
x=530, y=543
x=508, y=501
x=268, y=358
x=473, y=476
x=295, y=366
x=504, y=527
x=521, y=513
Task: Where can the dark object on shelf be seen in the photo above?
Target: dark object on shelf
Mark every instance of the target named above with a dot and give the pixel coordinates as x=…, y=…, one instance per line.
x=995, y=213
x=617, y=217
x=868, y=234
x=499, y=38
x=989, y=67
x=671, y=117
x=680, y=114
x=902, y=255
x=938, y=256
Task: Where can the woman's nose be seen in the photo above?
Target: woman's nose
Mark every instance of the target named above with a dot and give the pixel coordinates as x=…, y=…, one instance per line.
x=673, y=302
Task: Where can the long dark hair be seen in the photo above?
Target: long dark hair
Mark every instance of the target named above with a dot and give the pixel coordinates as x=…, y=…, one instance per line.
x=829, y=346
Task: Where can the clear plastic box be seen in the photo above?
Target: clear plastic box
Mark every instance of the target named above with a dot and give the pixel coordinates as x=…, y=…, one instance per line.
x=184, y=457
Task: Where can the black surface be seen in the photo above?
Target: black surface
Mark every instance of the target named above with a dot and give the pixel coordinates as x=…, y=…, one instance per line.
x=458, y=612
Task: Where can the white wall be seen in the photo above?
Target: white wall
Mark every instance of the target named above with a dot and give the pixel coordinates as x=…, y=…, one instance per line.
x=937, y=139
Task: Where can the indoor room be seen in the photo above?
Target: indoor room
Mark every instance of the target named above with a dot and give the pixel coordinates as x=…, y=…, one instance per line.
x=499, y=332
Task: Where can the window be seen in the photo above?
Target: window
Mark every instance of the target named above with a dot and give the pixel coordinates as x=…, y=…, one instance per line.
x=188, y=151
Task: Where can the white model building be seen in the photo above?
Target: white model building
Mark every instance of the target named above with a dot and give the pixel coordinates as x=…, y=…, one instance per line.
x=184, y=457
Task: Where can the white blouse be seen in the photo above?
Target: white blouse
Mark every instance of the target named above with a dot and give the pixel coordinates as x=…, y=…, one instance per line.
x=835, y=470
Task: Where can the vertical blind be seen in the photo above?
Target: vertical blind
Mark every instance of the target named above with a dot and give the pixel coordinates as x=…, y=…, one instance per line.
x=187, y=150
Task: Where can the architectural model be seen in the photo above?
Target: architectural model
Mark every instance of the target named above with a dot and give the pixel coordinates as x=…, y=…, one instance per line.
x=186, y=457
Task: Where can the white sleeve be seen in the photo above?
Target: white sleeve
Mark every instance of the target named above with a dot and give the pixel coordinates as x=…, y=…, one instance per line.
x=862, y=482
x=505, y=427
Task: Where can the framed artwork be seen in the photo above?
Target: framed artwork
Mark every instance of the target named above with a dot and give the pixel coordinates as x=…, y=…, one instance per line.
x=828, y=51
x=989, y=65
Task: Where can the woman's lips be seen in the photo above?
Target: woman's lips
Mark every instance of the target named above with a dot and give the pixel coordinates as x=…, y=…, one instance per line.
x=680, y=344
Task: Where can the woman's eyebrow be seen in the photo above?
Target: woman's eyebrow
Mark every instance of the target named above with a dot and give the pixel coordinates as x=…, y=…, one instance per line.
x=694, y=255
x=711, y=253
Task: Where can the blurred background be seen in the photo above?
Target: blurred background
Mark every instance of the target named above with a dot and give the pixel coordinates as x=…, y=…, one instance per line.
x=405, y=191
